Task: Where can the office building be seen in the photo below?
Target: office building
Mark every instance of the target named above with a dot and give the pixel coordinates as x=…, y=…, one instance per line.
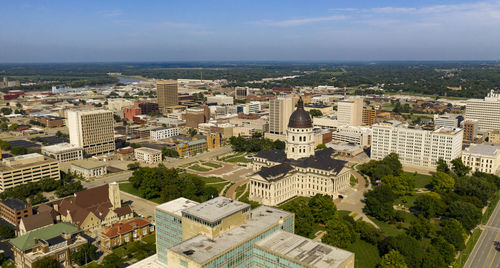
x=350, y=112
x=482, y=158
x=147, y=155
x=130, y=112
x=166, y=91
x=252, y=107
x=147, y=107
x=56, y=241
x=89, y=168
x=280, y=110
x=486, y=111
x=195, y=116
x=471, y=128
x=92, y=130
x=447, y=121
x=63, y=152
x=414, y=145
x=494, y=137
x=26, y=168
x=368, y=116
x=241, y=92
x=14, y=210
x=225, y=233
x=220, y=100
x=163, y=133
x=299, y=170
x=351, y=134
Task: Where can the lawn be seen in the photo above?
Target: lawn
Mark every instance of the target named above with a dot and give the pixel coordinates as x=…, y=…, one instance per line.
x=491, y=207
x=366, y=254
x=421, y=180
x=128, y=188
x=219, y=186
x=406, y=200
x=92, y=265
x=212, y=179
x=212, y=165
x=199, y=168
x=150, y=239
x=462, y=258
x=239, y=159
x=389, y=229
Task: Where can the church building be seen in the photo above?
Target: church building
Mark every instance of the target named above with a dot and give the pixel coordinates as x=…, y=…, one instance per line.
x=299, y=170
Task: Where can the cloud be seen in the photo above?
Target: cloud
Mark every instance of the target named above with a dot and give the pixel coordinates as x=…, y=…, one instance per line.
x=297, y=22
x=112, y=13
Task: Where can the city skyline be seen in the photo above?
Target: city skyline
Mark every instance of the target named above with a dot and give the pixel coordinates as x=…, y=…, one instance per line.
x=58, y=31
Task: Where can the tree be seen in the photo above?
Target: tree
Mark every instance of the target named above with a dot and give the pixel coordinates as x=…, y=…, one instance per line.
x=379, y=203
x=69, y=189
x=4, y=145
x=49, y=184
x=4, y=126
x=192, y=132
x=46, y=262
x=459, y=167
x=322, y=208
x=445, y=249
x=279, y=145
x=442, y=182
x=429, y=205
x=432, y=258
x=6, y=111
x=337, y=234
x=409, y=247
x=304, y=219
x=6, y=232
x=479, y=187
x=453, y=232
x=19, y=150
x=13, y=127
x=392, y=160
x=466, y=213
x=117, y=118
x=150, y=187
x=442, y=166
x=400, y=185
x=166, y=152
x=321, y=147
x=84, y=254
x=315, y=113
x=368, y=232
x=393, y=259
x=135, y=145
x=420, y=228
x=133, y=166
x=112, y=261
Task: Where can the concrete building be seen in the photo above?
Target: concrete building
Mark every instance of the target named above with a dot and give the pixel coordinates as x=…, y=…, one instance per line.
x=486, y=111
x=299, y=170
x=26, y=168
x=350, y=112
x=92, y=130
x=368, y=116
x=63, y=152
x=195, y=116
x=326, y=122
x=220, y=100
x=471, y=129
x=447, y=121
x=414, y=145
x=225, y=233
x=166, y=91
x=494, y=137
x=54, y=241
x=130, y=112
x=163, y=133
x=252, y=107
x=280, y=110
x=88, y=168
x=241, y=92
x=14, y=210
x=351, y=134
x=482, y=157
x=147, y=155
x=190, y=148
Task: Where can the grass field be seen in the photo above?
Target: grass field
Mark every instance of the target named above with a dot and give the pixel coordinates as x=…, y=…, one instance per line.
x=212, y=165
x=389, y=229
x=421, y=180
x=213, y=179
x=199, y=168
x=237, y=158
x=366, y=254
x=150, y=239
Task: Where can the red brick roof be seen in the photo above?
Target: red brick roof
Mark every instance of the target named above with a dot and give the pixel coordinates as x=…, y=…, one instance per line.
x=125, y=227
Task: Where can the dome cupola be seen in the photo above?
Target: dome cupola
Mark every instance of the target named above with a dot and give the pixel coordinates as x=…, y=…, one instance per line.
x=300, y=118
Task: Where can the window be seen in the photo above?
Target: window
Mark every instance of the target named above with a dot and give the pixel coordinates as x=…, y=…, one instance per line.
x=183, y=263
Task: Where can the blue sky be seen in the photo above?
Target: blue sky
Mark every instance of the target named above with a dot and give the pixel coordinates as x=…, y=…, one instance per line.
x=75, y=31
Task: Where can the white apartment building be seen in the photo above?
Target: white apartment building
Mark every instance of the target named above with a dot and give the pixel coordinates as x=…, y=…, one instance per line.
x=482, y=157
x=448, y=121
x=63, y=152
x=351, y=134
x=350, y=112
x=26, y=168
x=486, y=111
x=220, y=100
x=280, y=110
x=92, y=130
x=163, y=133
x=147, y=155
x=415, y=146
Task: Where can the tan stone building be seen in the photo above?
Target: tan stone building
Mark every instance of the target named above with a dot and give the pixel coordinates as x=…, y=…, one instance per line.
x=147, y=155
x=89, y=168
x=166, y=91
x=92, y=130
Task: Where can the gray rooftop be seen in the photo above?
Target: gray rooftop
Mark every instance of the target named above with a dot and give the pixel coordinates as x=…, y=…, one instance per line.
x=203, y=249
x=304, y=250
x=483, y=149
x=216, y=209
x=177, y=206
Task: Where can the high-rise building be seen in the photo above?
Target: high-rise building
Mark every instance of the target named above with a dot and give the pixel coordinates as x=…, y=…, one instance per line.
x=368, y=116
x=166, y=92
x=240, y=92
x=280, y=110
x=414, y=145
x=195, y=116
x=470, y=127
x=486, y=111
x=350, y=112
x=92, y=130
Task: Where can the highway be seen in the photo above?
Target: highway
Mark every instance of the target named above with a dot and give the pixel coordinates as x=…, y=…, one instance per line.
x=484, y=253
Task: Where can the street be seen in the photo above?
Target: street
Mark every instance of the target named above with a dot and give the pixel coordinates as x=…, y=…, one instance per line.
x=484, y=253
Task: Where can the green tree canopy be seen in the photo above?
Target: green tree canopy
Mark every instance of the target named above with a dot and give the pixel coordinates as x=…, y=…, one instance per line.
x=393, y=259
x=429, y=205
x=19, y=150
x=322, y=208
x=315, y=113
x=453, y=232
x=466, y=213
x=46, y=262
x=321, y=147
x=459, y=167
x=337, y=234
x=442, y=182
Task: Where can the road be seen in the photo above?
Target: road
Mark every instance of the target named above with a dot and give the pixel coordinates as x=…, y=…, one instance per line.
x=484, y=253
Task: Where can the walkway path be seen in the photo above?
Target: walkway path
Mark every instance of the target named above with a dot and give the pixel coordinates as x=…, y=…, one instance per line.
x=231, y=193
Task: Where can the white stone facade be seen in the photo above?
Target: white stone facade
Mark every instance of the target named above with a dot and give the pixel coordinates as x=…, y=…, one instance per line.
x=299, y=142
x=147, y=155
x=163, y=133
x=482, y=157
x=63, y=152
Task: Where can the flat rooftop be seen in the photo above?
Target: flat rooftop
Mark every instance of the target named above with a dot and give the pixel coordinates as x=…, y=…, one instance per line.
x=148, y=150
x=60, y=147
x=483, y=149
x=216, y=209
x=200, y=248
x=22, y=161
x=177, y=206
x=304, y=250
x=87, y=163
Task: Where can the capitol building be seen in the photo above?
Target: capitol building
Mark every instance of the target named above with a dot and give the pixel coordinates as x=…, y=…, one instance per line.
x=299, y=170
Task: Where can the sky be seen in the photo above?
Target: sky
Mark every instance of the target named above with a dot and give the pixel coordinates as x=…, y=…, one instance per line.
x=255, y=30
